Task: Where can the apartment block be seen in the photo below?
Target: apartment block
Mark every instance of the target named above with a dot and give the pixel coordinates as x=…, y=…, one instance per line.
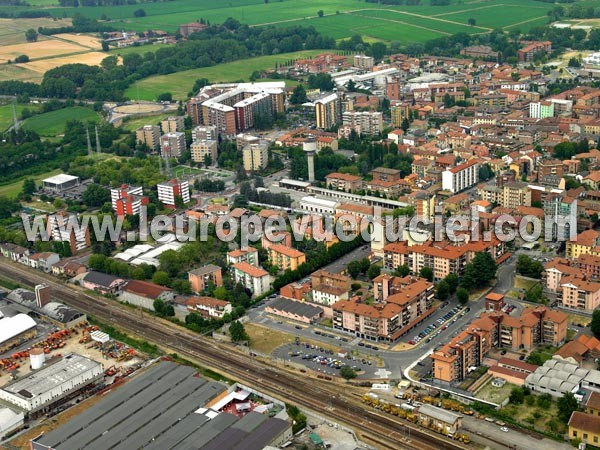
x=57, y=226
x=328, y=111
x=172, y=145
x=149, y=135
x=329, y=288
x=172, y=124
x=460, y=177
x=541, y=110
x=364, y=122
x=256, y=157
x=170, y=190
x=531, y=49
x=587, y=243
x=464, y=353
x=363, y=62
x=202, y=149
x=285, y=257
x=247, y=254
x=343, y=182
x=386, y=320
x=205, y=133
x=202, y=277
x=252, y=278
x=515, y=194
x=399, y=111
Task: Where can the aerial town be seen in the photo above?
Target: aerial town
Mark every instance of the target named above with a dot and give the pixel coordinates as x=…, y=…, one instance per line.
x=266, y=225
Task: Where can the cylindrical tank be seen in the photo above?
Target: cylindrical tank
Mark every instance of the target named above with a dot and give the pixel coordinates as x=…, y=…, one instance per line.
x=309, y=145
x=36, y=358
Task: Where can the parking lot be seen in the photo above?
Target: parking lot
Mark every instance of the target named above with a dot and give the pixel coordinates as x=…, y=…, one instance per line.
x=325, y=361
x=440, y=325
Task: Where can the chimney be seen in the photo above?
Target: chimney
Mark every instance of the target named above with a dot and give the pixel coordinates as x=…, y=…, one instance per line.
x=42, y=295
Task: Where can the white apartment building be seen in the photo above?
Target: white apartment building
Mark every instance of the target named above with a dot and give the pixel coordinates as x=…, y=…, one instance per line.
x=460, y=177
x=364, y=122
x=172, y=145
x=169, y=190
x=253, y=278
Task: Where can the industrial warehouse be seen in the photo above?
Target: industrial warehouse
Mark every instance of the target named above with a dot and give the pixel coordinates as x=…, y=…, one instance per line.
x=166, y=408
x=51, y=383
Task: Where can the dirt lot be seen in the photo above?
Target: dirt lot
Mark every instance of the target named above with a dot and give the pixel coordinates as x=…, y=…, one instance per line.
x=43, y=65
x=265, y=340
x=42, y=49
x=81, y=39
x=138, y=108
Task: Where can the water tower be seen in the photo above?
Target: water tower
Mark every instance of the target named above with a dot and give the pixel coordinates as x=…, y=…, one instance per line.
x=310, y=148
x=36, y=358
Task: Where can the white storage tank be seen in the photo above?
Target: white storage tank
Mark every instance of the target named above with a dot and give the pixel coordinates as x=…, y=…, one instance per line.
x=37, y=358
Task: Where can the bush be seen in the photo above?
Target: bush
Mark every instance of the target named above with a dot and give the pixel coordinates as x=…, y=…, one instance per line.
x=22, y=59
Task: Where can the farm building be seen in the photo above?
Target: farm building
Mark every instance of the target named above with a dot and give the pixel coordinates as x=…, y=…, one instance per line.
x=58, y=379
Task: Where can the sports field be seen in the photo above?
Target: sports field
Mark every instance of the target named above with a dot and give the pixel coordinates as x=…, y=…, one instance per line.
x=53, y=123
x=180, y=83
x=342, y=18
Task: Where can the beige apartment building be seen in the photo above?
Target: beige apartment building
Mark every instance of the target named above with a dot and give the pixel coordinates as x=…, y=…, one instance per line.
x=149, y=135
x=203, y=148
x=256, y=157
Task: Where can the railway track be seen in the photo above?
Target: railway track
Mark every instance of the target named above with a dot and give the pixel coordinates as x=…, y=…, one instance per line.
x=327, y=398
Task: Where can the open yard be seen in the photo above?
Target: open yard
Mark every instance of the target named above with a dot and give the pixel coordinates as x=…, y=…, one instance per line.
x=180, y=83
x=84, y=40
x=265, y=340
x=53, y=123
x=494, y=394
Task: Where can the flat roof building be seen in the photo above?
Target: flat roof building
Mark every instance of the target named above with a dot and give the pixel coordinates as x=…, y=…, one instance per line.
x=58, y=379
x=61, y=182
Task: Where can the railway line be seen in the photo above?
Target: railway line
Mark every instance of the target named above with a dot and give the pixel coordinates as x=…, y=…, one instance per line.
x=327, y=398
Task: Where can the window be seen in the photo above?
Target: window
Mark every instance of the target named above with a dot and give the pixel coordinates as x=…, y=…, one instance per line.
x=574, y=433
x=585, y=436
x=595, y=439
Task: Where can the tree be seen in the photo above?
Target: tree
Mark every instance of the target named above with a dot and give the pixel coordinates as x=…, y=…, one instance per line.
x=95, y=195
x=373, y=271
x=402, y=271
x=165, y=97
x=298, y=95
x=452, y=280
x=463, y=296
x=238, y=332
x=405, y=125
x=29, y=186
x=320, y=13
x=574, y=62
x=471, y=22
x=535, y=358
x=442, y=290
x=160, y=277
x=566, y=405
x=479, y=272
x=528, y=267
x=139, y=13
x=595, y=324
x=353, y=269
x=517, y=396
x=347, y=372
x=426, y=272
x=105, y=46
x=22, y=59
x=351, y=86
x=31, y=35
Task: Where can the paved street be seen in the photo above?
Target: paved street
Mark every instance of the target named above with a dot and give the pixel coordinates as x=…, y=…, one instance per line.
x=479, y=430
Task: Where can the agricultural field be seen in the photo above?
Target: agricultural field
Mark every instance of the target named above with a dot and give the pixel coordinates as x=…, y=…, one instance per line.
x=17, y=72
x=140, y=49
x=12, y=31
x=53, y=123
x=41, y=49
x=41, y=66
x=342, y=18
x=180, y=83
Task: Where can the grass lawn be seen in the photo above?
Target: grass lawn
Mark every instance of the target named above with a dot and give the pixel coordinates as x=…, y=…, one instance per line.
x=494, y=394
x=181, y=83
x=265, y=340
x=140, y=49
x=13, y=189
x=523, y=283
x=53, y=123
x=138, y=122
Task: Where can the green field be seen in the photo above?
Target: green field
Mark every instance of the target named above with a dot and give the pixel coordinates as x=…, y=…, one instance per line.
x=141, y=49
x=6, y=114
x=180, y=83
x=343, y=18
x=13, y=189
x=53, y=123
